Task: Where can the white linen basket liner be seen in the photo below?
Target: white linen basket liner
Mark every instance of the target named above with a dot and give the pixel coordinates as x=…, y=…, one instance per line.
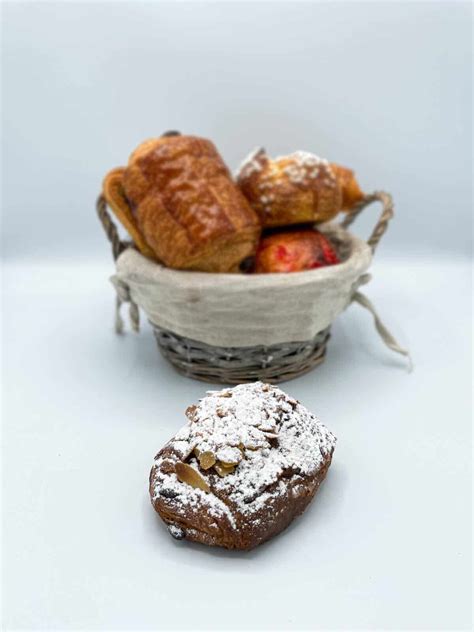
x=240, y=310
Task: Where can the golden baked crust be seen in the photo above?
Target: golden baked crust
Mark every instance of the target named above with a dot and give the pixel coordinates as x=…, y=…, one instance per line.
x=247, y=463
x=351, y=192
x=295, y=189
x=112, y=188
x=187, y=207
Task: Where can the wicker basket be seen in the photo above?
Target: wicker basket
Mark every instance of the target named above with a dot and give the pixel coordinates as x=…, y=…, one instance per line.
x=199, y=356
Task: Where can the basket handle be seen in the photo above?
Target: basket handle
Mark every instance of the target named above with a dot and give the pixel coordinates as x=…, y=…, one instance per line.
x=118, y=246
x=110, y=229
x=385, y=217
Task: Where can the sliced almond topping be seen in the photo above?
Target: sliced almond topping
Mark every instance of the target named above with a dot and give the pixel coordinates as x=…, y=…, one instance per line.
x=167, y=466
x=189, y=475
x=253, y=447
x=206, y=459
x=229, y=456
x=184, y=450
x=223, y=470
x=267, y=427
x=271, y=435
x=190, y=410
x=242, y=450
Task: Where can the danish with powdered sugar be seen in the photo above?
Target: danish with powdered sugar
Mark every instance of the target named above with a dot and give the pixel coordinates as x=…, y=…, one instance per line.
x=249, y=460
x=296, y=189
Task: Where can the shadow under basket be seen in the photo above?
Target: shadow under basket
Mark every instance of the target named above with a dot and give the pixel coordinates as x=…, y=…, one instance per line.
x=236, y=328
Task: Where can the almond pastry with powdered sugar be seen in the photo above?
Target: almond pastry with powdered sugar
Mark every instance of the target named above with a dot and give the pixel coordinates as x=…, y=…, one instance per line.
x=296, y=189
x=249, y=460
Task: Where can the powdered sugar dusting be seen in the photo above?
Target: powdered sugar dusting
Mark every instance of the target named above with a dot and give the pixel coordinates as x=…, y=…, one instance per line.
x=251, y=163
x=304, y=166
x=270, y=438
x=183, y=496
x=300, y=168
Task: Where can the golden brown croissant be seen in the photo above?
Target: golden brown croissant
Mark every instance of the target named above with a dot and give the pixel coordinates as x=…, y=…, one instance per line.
x=112, y=189
x=351, y=192
x=297, y=188
x=187, y=207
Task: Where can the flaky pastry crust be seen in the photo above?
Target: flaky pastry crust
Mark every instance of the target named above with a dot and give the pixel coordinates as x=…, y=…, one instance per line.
x=187, y=207
x=296, y=189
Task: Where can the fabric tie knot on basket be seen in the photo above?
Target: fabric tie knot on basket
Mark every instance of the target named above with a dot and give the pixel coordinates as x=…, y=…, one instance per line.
x=123, y=296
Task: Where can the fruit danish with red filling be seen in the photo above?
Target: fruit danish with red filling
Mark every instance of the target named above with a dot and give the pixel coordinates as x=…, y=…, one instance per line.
x=295, y=251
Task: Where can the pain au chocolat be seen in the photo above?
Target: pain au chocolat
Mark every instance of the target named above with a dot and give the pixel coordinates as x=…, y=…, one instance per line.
x=249, y=460
x=185, y=206
x=296, y=189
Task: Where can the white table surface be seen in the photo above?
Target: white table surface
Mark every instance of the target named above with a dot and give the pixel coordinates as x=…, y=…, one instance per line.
x=386, y=544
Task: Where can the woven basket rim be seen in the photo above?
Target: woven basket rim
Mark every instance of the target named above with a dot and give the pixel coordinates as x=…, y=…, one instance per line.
x=359, y=259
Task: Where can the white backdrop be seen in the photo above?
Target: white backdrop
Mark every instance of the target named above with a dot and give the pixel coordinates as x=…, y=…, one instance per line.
x=381, y=87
